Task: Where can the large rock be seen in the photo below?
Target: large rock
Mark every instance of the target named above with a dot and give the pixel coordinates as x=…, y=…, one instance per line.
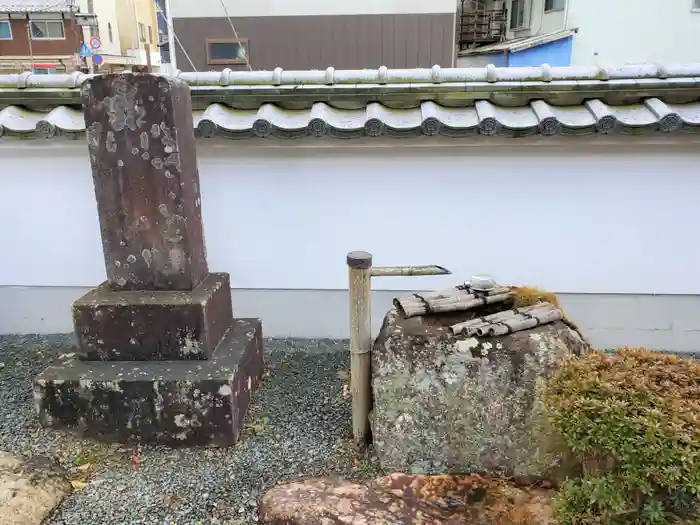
x=29, y=489
x=452, y=404
x=401, y=499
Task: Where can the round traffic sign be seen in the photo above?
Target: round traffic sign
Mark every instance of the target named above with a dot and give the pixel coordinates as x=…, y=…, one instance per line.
x=97, y=59
x=95, y=42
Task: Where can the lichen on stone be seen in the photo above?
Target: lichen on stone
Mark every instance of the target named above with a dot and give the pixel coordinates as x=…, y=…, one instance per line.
x=445, y=403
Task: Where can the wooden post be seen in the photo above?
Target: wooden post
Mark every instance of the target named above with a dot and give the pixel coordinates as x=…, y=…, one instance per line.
x=360, y=276
x=149, y=67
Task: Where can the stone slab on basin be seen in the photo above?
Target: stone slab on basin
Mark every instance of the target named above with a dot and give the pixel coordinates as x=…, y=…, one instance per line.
x=451, y=404
x=165, y=402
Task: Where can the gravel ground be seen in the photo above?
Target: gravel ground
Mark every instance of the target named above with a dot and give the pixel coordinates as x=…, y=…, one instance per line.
x=298, y=425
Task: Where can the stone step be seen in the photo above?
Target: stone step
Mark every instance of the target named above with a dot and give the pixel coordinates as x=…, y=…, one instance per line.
x=175, y=403
x=145, y=325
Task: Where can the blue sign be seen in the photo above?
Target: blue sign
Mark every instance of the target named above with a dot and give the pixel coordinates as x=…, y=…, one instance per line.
x=97, y=59
x=85, y=51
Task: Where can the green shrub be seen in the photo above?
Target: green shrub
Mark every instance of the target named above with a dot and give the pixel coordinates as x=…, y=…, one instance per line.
x=633, y=421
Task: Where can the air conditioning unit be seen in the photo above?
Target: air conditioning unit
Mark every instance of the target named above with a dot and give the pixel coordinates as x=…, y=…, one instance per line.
x=86, y=19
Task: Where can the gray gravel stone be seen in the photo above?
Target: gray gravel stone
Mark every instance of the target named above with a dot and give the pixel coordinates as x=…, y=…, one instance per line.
x=298, y=426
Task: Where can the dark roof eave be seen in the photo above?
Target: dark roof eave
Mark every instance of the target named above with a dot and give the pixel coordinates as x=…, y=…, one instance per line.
x=401, y=95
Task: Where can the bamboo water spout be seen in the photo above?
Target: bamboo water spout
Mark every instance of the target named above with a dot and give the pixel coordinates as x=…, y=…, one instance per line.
x=360, y=292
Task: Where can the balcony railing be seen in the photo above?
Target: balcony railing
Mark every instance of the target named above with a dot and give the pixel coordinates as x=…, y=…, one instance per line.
x=481, y=27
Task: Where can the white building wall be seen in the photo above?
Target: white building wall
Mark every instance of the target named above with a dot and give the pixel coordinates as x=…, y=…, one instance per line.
x=634, y=31
x=612, y=228
x=622, y=31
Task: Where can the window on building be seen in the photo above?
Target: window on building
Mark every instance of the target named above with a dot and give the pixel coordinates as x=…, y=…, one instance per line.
x=696, y=5
x=95, y=31
x=556, y=5
x=150, y=35
x=90, y=6
x=223, y=51
x=142, y=32
x=517, y=14
x=5, y=30
x=45, y=70
x=110, y=35
x=46, y=29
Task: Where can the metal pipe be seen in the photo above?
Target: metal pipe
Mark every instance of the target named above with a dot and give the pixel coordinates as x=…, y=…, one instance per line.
x=399, y=271
x=360, y=273
x=360, y=288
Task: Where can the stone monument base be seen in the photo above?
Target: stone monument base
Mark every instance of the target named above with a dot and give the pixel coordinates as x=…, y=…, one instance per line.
x=175, y=403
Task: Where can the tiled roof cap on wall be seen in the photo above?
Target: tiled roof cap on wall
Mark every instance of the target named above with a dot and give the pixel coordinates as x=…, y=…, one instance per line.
x=687, y=73
x=375, y=120
x=36, y=6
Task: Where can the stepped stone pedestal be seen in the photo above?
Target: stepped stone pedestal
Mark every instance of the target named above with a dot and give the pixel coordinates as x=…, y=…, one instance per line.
x=159, y=356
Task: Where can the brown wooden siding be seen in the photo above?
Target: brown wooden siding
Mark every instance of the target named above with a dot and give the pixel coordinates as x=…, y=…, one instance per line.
x=19, y=45
x=317, y=42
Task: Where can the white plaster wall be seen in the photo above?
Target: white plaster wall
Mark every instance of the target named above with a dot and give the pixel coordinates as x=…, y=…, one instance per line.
x=572, y=219
x=610, y=227
x=236, y=8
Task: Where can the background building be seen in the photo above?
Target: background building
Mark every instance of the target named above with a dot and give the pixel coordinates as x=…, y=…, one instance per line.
x=577, y=32
x=314, y=34
x=38, y=36
x=46, y=37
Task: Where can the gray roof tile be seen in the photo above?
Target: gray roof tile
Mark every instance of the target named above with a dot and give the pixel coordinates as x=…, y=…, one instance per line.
x=35, y=6
x=375, y=119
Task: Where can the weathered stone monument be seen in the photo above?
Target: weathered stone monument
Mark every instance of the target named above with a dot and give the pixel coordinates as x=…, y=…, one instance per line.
x=160, y=357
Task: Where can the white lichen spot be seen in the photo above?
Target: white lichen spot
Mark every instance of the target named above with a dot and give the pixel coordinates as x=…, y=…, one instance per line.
x=499, y=346
x=111, y=143
x=163, y=209
x=168, y=175
x=122, y=243
x=134, y=151
x=132, y=341
x=181, y=421
x=190, y=346
x=487, y=346
x=120, y=163
x=225, y=390
x=131, y=258
x=172, y=195
x=121, y=281
x=147, y=256
x=536, y=337
x=250, y=382
x=177, y=259
x=145, y=155
x=112, y=385
x=467, y=344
